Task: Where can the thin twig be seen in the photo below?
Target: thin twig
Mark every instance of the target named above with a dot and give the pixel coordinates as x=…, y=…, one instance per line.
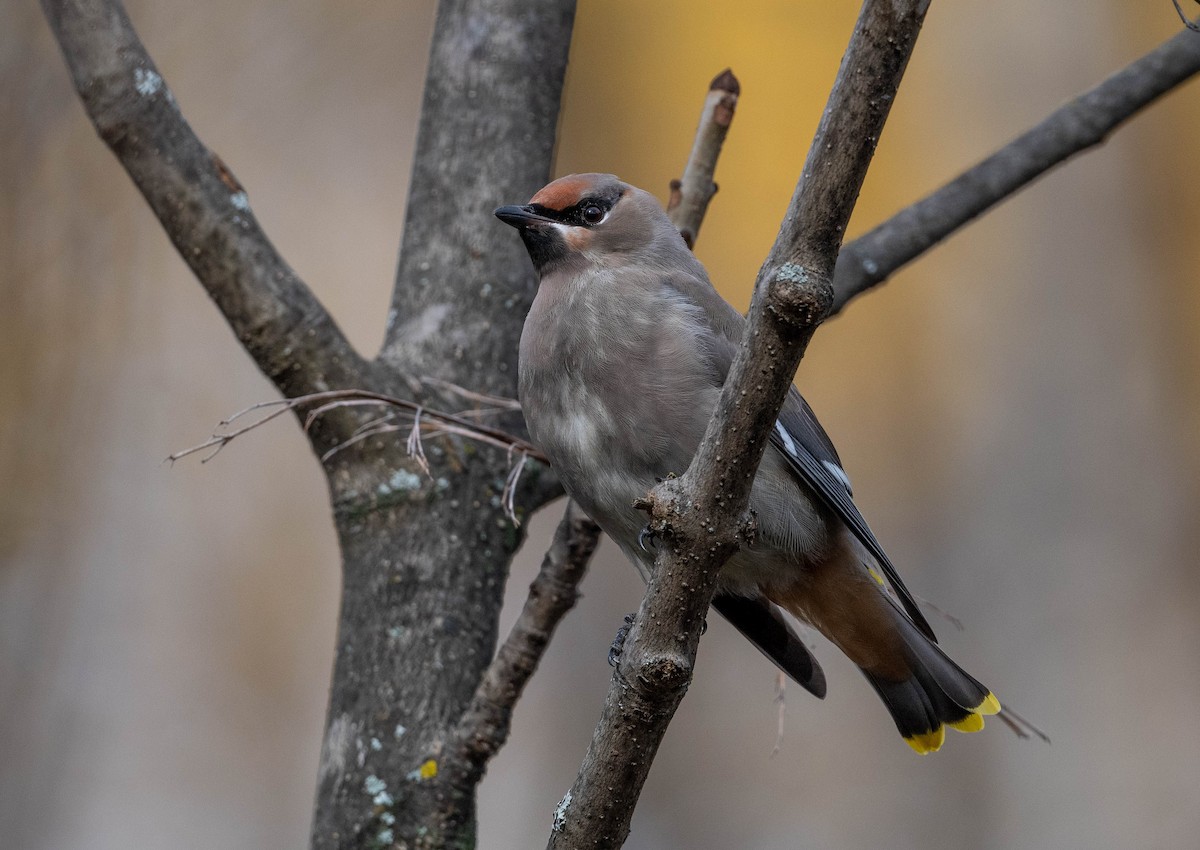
x=1072, y=128
x=485, y=725
x=510, y=488
x=377, y=422
x=359, y=436
x=218, y=441
x=438, y=424
x=494, y=400
x=945, y=615
x=1187, y=22
x=450, y=423
x=433, y=422
x=415, y=450
x=781, y=711
x=691, y=195
x=1021, y=727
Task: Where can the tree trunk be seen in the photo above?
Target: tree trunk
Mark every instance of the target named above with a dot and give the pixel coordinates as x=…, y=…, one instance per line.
x=424, y=570
x=426, y=557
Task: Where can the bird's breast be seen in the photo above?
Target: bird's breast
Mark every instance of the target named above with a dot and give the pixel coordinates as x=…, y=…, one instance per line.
x=614, y=389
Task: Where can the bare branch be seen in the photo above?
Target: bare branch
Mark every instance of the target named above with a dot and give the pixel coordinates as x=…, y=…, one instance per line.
x=204, y=210
x=691, y=195
x=471, y=395
x=702, y=513
x=218, y=441
x=485, y=725
x=436, y=423
x=1078, y=125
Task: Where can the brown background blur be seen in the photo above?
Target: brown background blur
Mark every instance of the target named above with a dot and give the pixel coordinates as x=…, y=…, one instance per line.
x=1018, y=411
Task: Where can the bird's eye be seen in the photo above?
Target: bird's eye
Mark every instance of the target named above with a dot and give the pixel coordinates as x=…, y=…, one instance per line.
x=593, y=214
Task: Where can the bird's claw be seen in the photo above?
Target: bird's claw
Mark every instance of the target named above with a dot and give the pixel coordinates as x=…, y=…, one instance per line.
x=618, y=644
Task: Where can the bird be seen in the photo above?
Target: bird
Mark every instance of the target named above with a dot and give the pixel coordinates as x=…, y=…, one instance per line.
x=622, y=358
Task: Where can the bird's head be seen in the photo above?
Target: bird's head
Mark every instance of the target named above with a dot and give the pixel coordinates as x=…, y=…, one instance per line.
x=593, y=219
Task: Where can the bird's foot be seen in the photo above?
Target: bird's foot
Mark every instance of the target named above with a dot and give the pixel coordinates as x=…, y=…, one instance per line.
x=647, y=538
x=618, y=644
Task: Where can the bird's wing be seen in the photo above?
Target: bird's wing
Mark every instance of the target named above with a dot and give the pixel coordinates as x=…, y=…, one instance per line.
x=763, y=625
x=799, y=437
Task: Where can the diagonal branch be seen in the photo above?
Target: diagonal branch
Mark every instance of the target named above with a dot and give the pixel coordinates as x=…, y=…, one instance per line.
x=702, y=514
x=204, y=210
x=1074, y=127
x=484, y=726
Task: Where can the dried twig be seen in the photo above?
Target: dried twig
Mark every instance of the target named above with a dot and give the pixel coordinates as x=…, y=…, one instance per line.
x=218, y=441
x=691, y=195
x=1187, y=22
x=510, y=487
x=462, y=392
x=415, y=450
x=945, y=615
x=1021, y=727
x=781, y=711
x=433, y=423
x=450, y=423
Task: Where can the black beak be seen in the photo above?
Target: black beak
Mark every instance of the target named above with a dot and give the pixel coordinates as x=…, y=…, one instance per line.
x=521, y=217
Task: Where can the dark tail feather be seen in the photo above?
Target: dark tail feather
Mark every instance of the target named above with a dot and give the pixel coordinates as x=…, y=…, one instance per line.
x=763, y=625
x=938, y=694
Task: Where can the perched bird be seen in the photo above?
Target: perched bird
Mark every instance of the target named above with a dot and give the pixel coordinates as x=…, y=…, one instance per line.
x=622, y=359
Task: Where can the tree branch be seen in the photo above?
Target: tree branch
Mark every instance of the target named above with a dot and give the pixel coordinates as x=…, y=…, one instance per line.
x=701, y=515
x=484, y=726
x=1074, y=127
x=204, y=210
x=691, y=195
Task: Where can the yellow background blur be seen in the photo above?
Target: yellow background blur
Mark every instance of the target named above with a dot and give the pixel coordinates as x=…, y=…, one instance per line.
x=1018, y=411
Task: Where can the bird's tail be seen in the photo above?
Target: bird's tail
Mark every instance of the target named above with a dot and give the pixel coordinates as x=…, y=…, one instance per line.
x=937, y=693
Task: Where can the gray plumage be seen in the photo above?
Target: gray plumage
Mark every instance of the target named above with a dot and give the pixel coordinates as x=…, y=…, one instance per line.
x=623, y=357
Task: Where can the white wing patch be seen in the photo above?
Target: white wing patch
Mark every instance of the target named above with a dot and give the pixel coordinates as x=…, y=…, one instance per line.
x=838, y=473
x=789, y=446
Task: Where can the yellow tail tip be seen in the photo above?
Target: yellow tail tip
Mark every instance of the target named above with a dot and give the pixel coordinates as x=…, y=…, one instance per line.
x=930, y=742
x=970, y=723
x=990, y=705
x=927, y=742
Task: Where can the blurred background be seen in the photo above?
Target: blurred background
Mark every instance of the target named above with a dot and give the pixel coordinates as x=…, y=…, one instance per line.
x=1018, y=411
